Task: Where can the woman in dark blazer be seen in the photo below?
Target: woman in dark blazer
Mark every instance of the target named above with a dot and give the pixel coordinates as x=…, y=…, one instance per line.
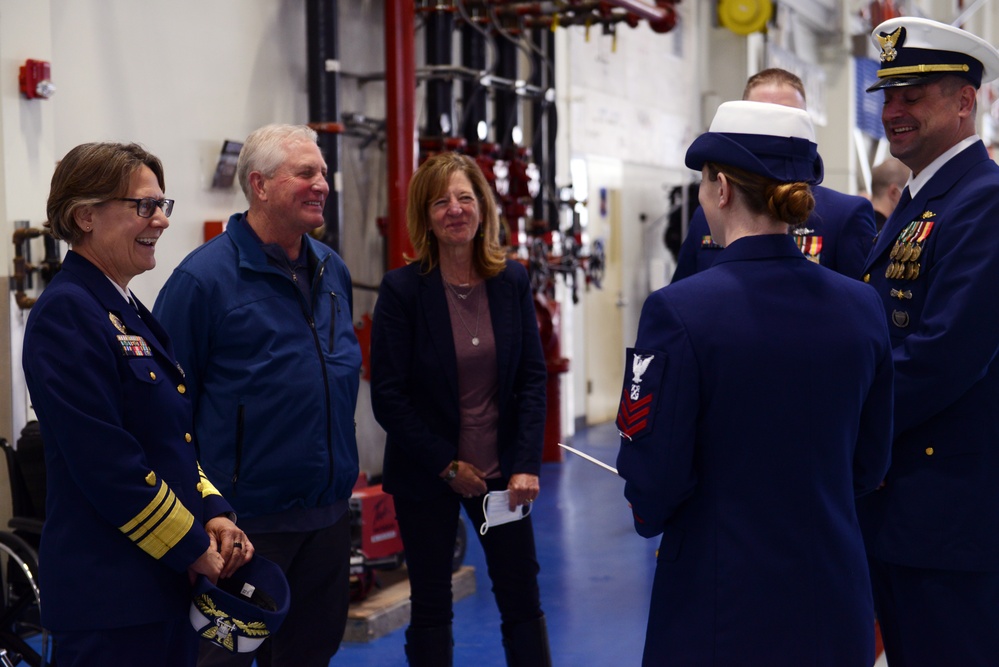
x=130, y=519
x=458, y=384
x=757, y=404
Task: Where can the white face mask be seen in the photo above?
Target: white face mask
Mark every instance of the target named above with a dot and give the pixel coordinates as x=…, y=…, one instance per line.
x=496, y=508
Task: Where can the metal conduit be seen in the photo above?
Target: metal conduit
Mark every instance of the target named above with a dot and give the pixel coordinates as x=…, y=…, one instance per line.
x=323, y=74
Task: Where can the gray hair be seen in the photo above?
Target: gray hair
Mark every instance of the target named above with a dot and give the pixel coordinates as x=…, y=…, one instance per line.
x=265, y=150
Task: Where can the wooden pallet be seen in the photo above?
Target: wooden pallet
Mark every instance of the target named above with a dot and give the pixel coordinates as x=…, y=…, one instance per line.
x=387, y=607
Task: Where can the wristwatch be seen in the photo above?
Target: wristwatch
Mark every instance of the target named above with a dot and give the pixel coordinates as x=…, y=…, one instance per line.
x=452, y=473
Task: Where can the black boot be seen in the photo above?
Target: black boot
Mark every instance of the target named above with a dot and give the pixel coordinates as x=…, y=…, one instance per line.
x=526, y=644
x=429, y=647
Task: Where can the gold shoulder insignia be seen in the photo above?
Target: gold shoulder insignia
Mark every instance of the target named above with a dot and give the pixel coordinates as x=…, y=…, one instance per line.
x=889, y=42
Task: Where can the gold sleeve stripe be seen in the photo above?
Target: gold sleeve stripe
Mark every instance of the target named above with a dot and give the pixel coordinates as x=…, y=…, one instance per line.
x=168, y=533
x=142, y=516
x=207, y=488
x=160, y=525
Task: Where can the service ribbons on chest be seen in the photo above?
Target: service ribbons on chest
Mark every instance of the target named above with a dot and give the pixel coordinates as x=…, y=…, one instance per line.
x=134, y=346
x=905, y=255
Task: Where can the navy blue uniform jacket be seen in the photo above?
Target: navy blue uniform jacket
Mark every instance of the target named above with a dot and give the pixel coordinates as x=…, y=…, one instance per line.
x=842, y=232
x=414, y=378
x=125, y=508
x=757, y=404
x=940, y=506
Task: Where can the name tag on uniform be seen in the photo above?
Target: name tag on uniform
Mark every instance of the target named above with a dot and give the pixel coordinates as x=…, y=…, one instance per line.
x=134, y=346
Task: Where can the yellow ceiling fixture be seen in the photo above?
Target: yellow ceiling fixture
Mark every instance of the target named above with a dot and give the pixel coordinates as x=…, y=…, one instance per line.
x=744, y=17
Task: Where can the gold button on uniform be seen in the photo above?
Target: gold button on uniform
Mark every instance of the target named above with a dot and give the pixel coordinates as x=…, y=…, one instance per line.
x=152, y=375
x=929, y=451
x=867, y=278
x=199, y=487
x=181, y=388
x=187, y=437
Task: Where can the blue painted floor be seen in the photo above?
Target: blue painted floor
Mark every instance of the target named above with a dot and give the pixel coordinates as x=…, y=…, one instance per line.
x=596, y=574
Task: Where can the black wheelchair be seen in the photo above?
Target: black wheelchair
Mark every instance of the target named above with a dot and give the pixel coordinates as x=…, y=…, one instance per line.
x=23, y=640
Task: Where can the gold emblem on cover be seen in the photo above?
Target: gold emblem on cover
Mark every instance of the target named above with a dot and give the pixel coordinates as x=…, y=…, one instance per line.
x=221, y=631
x=888, y=44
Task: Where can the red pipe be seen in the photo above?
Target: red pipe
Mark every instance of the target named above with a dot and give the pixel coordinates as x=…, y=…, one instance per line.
x=400, y=93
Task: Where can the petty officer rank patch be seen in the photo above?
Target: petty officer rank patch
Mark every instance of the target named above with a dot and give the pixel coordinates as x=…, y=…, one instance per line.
x=908, y=249
x=644, y=370
x=134, y=346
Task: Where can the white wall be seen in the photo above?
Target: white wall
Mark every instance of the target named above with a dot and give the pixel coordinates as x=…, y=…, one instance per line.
x=179, y=77
x=26, y=136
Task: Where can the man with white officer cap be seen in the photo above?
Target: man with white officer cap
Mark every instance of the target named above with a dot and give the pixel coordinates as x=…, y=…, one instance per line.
x=933, y=529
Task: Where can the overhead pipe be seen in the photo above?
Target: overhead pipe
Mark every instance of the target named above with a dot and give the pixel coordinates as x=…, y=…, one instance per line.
x=651, y=12
x=641, y=9
x=400, y=94
x=323, y=75
x=661, y=16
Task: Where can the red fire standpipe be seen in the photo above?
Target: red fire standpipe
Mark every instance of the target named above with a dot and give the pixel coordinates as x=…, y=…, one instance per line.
x=400, y=93
x=550, y=328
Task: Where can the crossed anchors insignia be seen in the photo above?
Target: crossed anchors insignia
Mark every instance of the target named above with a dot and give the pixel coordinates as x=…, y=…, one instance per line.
x=889, y=42
x=222, y=631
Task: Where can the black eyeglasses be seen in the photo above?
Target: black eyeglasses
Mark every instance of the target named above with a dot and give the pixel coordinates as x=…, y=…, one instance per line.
x=146, y=206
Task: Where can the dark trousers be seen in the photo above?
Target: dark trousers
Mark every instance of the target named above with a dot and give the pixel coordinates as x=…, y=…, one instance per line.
x=931, y=618
x=317, y=565
x=173, y=644
x=428, y=529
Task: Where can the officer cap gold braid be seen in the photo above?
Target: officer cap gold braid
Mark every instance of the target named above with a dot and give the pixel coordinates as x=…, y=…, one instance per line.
x=916, y=51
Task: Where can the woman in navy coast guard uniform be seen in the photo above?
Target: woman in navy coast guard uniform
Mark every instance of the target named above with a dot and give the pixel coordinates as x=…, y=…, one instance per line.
x=742, y=449
x=129, y=518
